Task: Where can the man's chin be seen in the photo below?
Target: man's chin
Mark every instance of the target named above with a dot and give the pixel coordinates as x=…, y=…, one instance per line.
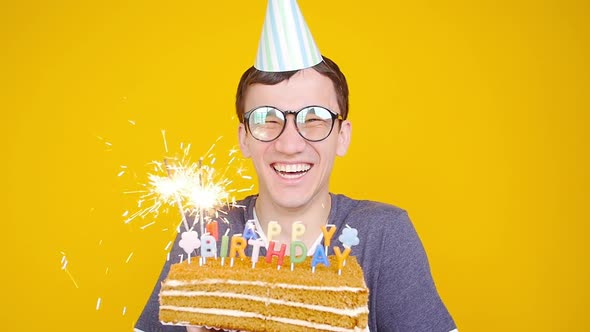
x=292, y=204
x=291, y=199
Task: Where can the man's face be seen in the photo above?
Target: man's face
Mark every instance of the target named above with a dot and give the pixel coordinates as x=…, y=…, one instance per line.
x=293, y=172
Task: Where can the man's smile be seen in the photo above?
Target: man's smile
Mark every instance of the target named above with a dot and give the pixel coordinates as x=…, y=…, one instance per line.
x=291, y=171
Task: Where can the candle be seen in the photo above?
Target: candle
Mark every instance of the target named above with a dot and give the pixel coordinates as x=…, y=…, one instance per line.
x=341, y=257
x=256, y=244
x=189, y=242
x=238, y=244
x=250, y=231
x=213, y=229
x=208, y=246
x=279, y=253
x=274, y=229
x=348, y=238
x=328, y=231
x=319, y=257
x=293, y=252
x=297, y=231
x=224, y=245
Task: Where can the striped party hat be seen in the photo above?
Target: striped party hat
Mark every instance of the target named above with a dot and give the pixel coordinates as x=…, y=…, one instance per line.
x=286, y=42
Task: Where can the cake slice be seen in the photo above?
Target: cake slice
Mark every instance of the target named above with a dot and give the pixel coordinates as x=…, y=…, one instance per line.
x=264, y=298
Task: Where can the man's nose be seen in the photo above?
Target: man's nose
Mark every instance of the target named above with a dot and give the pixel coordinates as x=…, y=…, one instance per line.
x=290, y=142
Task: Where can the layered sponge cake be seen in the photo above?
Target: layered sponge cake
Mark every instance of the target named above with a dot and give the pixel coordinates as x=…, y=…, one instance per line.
x=265, y=298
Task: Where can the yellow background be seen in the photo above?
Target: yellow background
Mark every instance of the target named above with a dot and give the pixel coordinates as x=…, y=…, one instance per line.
x=472, y=115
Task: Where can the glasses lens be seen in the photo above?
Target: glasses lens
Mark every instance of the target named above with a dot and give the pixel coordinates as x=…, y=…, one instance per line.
x=266, y=123
x=314, y=123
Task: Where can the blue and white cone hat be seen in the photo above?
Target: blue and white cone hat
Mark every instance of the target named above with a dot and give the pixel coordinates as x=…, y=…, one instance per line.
x=286, y=43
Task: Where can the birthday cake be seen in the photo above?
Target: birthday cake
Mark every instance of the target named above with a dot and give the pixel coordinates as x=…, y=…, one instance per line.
x=265, y=297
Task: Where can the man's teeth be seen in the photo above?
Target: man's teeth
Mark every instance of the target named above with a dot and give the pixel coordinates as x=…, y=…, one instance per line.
x=291, y=170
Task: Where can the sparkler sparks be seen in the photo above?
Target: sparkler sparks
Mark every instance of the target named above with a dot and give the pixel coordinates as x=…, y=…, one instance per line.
x=147, y=225
x=108, y=144
x=193, y=188
x=64, y=266
x=129, y=257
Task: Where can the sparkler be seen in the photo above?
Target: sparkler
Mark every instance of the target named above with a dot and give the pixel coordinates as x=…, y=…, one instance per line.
x=194, y=188
x=177, y=182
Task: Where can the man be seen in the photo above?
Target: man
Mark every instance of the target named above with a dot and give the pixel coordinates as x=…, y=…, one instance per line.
x=293, y=159
x=293, y=109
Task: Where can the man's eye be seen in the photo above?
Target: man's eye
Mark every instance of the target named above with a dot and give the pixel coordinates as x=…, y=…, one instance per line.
x=314, y=120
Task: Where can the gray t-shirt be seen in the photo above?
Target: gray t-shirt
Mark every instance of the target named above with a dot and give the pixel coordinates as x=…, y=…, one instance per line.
x=402, y=296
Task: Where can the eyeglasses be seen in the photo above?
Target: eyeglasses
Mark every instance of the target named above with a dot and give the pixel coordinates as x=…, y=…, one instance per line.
x=267, y=123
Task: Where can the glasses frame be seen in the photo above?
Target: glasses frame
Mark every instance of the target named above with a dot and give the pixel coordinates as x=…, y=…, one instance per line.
x=335, y=116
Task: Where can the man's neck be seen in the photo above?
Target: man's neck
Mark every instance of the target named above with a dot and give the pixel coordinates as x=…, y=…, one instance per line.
x=313, y=216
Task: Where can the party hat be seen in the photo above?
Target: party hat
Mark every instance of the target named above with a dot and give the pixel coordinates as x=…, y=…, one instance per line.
x=286, y=42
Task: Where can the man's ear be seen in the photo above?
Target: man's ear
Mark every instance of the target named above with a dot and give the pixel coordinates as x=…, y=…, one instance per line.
x=343, y=138
x=243, y=142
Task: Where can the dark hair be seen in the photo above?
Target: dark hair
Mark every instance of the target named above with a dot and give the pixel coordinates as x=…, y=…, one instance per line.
x=327, y=68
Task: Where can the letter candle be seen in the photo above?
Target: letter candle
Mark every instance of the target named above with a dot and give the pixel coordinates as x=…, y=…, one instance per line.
x=293, y=252
x=297, y=231
x=273, y=230
x=256, y=244
x=279, y=253
x=341, y=257
x=213, y=229
x=208, y=247
x=224, y=245
x=238, y=244
x=328, y=235
x=250, y=231
x=319, y=257
x=349, y=238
